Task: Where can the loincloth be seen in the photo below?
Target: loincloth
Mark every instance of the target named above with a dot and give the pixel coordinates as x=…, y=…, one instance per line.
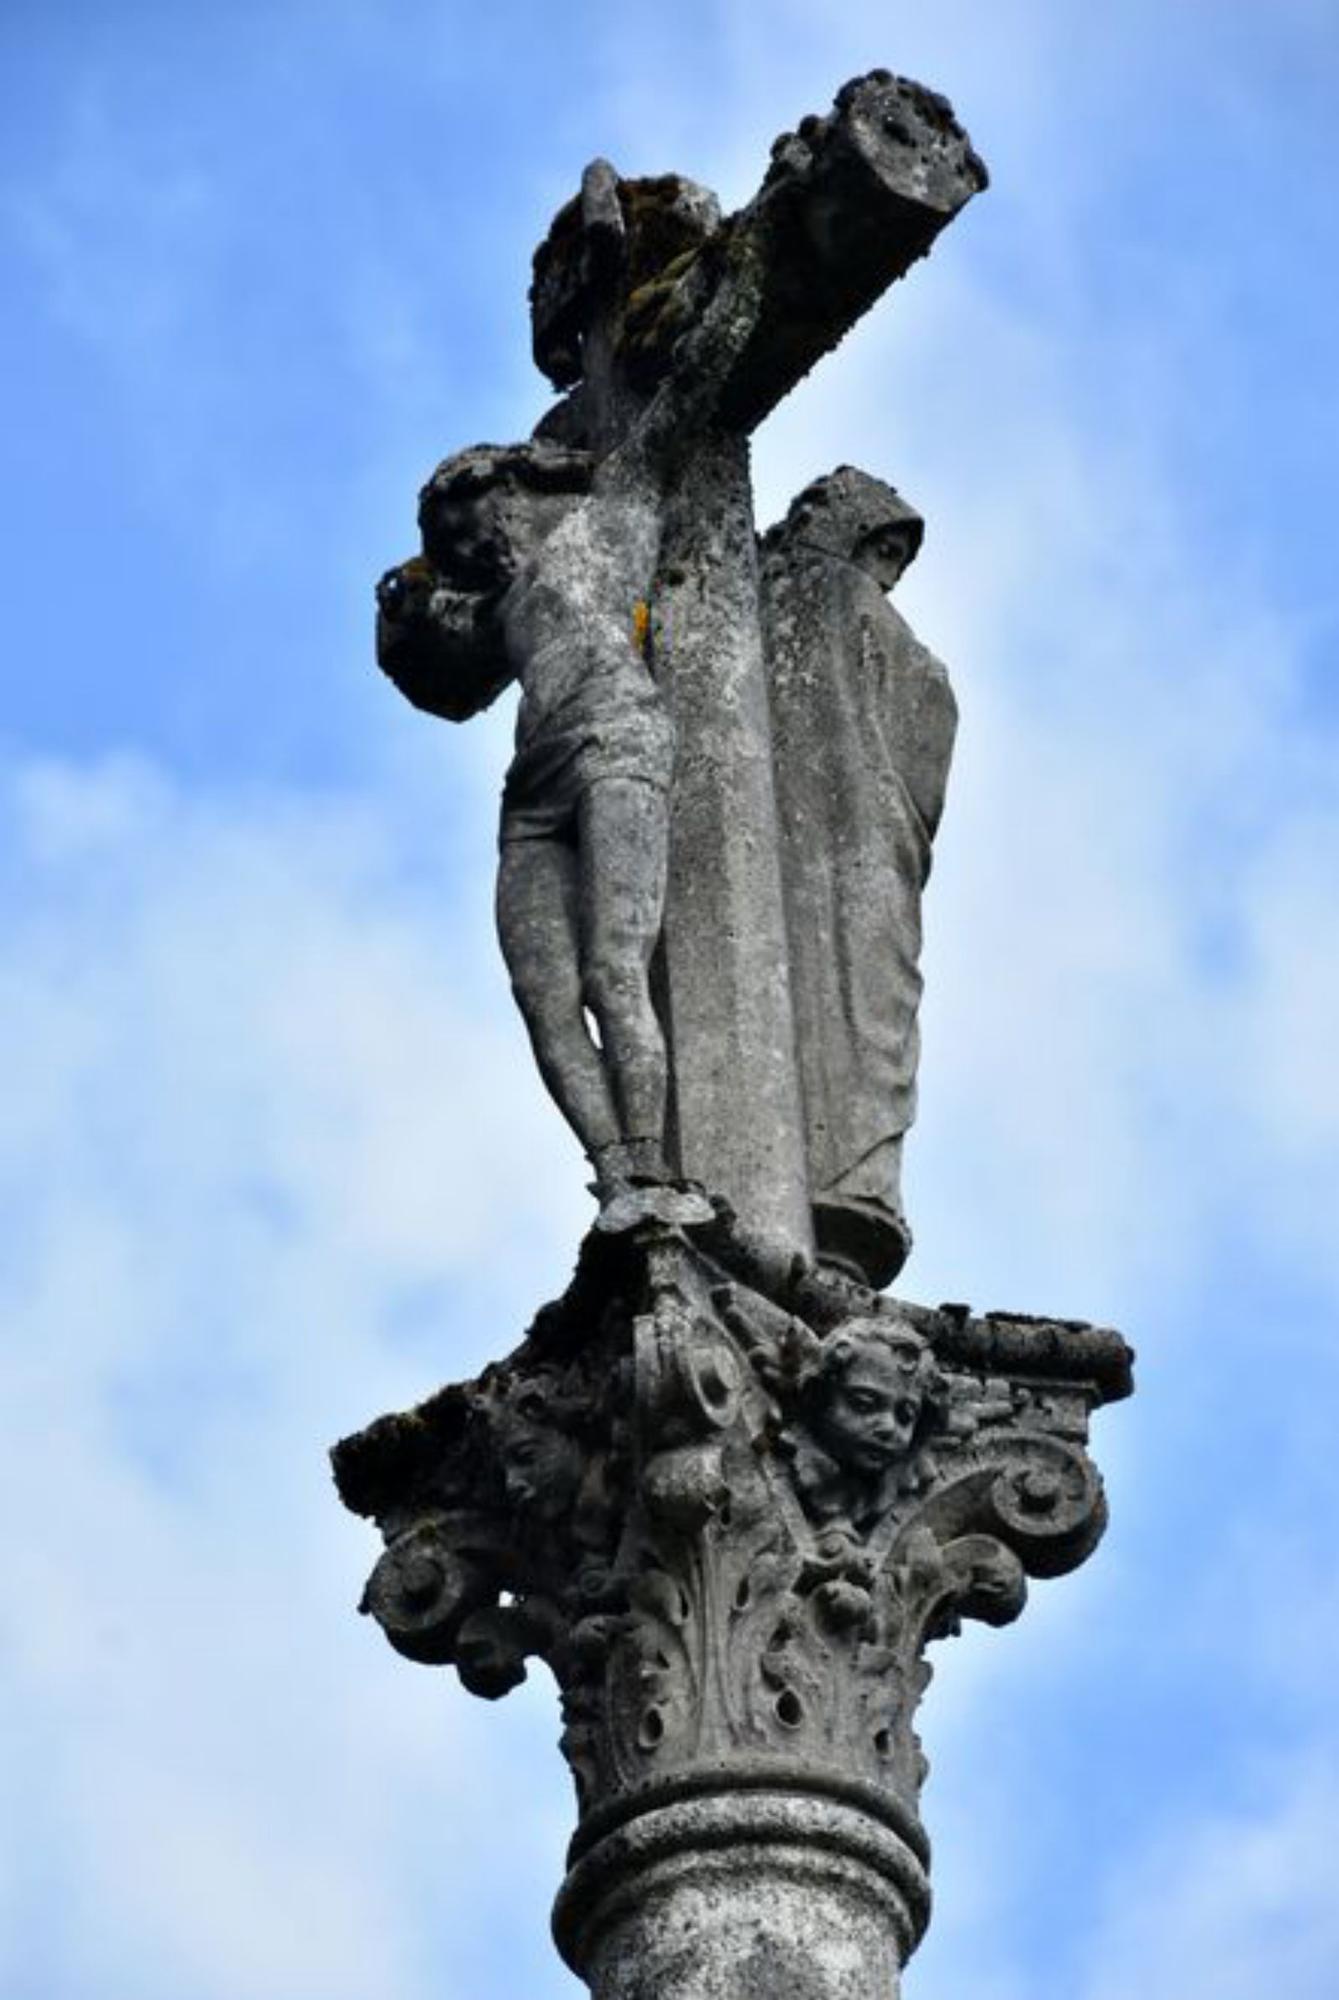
x=550, y=774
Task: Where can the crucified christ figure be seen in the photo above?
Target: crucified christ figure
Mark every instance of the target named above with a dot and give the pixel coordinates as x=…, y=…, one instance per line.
x=609, y=566
x=526, y=574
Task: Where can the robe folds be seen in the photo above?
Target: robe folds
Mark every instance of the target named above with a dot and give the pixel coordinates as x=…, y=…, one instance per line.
x=862, y=721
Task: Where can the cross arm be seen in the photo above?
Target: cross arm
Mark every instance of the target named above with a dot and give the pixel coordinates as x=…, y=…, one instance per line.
x=849, y=204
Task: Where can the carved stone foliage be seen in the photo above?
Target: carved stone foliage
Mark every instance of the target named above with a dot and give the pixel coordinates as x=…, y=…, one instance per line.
x=729, y=1505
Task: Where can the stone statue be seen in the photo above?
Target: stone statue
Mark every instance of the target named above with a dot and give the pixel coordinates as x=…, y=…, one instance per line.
x=866, y=1396
x=727, y=1490
x=863, y=721
x=523, y=573
x=676, y=1001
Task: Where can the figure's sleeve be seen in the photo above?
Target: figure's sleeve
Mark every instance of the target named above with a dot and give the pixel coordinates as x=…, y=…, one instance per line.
x=924, y=722
x=443, y=648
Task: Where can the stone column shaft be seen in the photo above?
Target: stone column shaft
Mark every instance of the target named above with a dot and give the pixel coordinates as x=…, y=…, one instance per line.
x=744, y=1895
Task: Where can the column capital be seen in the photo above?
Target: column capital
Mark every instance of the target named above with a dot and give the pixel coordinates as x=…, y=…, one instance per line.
x=729, y=1500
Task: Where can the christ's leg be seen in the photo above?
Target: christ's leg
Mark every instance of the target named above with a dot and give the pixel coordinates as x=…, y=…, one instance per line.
x=537, y=918
x=624, y=839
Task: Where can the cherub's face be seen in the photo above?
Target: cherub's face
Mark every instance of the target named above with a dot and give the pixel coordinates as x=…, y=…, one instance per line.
x=540, y=1471
x=541, y=1464
x=870, y=1410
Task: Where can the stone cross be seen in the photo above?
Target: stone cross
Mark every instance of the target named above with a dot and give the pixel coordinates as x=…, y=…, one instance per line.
x=673, y=334
x=849, y=203
x=726, y=1488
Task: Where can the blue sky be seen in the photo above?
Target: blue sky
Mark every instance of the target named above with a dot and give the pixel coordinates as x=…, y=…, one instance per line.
x=272, y=1158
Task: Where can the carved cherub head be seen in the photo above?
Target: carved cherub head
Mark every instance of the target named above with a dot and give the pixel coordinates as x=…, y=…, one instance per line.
x=485, y=509
x=865, y=1391
x=535, y=1427
x=864, y=1402
x=856, y=517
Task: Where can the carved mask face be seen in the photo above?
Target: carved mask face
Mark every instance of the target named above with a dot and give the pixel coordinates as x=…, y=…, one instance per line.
x=541, y=1465
x=870, y=1409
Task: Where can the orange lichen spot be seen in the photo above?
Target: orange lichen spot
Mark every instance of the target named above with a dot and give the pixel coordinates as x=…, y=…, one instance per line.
x=641, y=624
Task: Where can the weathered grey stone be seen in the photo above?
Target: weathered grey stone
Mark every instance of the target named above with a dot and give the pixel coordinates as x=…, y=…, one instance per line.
x=730, y=1506
x=543, y=560
x=745, y=1894
x=863, y=721
x=611, y=567
x=727, y=1491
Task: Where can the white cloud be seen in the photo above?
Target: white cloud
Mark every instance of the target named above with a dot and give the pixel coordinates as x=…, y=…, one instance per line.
x=264, y=1167
x=1233, y=1905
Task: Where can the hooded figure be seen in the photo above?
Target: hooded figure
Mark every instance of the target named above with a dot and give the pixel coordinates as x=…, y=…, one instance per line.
x=863, y=721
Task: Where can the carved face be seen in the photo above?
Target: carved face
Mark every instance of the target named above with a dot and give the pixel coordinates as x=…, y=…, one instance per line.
x=886, y=553
x=541, y=1465
x=869, y=1406
x=480, y=537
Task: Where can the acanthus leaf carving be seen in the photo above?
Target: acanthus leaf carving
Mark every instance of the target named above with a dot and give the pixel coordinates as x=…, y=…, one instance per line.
x=731, y=1507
